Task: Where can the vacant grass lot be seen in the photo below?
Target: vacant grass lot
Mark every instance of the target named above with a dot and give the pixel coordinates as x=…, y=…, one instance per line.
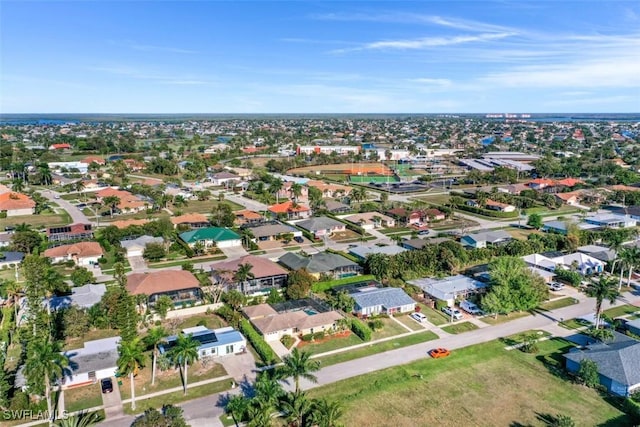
x=482, y=385
x=377, y=348
x=36, y=221
x=204, y=206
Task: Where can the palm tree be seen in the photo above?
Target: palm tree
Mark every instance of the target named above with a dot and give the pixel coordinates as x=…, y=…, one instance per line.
x=179, y=200
x=46, y=363
x=155, y=337
x=185, y=351
x=326, y=413
x=259, y=416
x=630, y=258
x=298, y=365
x=296, y=191
x=131, y=360
x=604, y=288
x=17, y=185
x=112, y=202
x=14, y=291
x=297, y=407
x=275, y=187
x=237, y=406
x=45, y=173
x=83, y=419
x=268, y=390
x=243, y=274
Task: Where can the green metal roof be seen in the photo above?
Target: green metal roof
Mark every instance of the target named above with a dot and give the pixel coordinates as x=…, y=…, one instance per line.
x=217, y=234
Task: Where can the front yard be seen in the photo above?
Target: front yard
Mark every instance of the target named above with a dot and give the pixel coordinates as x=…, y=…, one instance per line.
x=482, y=385
x=459, y=328
x=79, y=398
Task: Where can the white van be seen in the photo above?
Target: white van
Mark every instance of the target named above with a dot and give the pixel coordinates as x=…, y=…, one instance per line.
x=470, y=307
x=418, y=317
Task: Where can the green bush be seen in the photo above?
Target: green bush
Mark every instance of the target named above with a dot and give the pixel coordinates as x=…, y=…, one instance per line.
x=440, y=304
x=486, y=212
x=318, y=335
x=376, y=324
x=632, y=408
x=287, y=341
x=3, y=214
x=571, y=277
x=325, y=286
x=259, y=344
x=307, y=337
x=361, y=330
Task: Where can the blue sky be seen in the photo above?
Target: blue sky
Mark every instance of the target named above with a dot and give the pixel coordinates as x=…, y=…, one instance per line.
x=319, y=57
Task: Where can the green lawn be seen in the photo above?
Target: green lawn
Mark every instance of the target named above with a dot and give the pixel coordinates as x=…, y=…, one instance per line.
x=433, y=316
x=395, y=230
x=520, y=338
x=179, y=396
x=482, y=385
x=77, y=399
x=501, y=318
x=37, y=221
x=165, y=264
x=408, y=321
x=574, y=324
x=211, y=321
x=390, y=329
x=377, y=348
x=559, y=303
x=332, y=343
x=291, y=248
x=459, y=328
x=621, y=310
x=205, y=207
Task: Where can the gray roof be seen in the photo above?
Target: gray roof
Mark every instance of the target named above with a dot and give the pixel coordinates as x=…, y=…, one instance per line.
x=317, y=263
x=11, y=257
x=141, y=241
x=489, y=236
x=386, y=297
x=448, y=287
x=319, y=223
x=271, y=230
x=618, y=360
x=83, y=296
x=363, y=251
x=95, y=356
x=602, y=253
x=332, y=205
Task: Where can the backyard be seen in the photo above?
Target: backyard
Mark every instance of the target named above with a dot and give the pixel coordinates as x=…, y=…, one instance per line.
x=497, y=387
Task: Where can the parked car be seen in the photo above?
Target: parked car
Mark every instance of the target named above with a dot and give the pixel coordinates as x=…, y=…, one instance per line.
x=106, y=385
x=298, y=239
x=419, y=317
x=556, y=286
x=470, y=307
x=452, y=312
x=438, y=353
x=424, y=232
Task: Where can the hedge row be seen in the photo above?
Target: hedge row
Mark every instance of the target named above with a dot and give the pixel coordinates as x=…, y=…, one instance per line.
x=325, y=286
x=261, y=347
x=344, y=254
x=487, y=212
x=361, y=330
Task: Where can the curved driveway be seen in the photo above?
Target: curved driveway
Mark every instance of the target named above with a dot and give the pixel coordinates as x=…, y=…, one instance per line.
x=77, y=216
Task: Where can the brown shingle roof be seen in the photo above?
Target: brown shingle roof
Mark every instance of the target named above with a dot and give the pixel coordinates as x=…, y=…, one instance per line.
x=127, y=222
x=260, y=310
x=80, y=250
x=295, y=319
x=161, y=281
x=189, y=219
x=262, y=267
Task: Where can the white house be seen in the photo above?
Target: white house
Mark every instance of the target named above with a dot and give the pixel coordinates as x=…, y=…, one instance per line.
x=370, y=301
x=95, y=361
x=212, y=342
x=137, y=246
x=70, y=166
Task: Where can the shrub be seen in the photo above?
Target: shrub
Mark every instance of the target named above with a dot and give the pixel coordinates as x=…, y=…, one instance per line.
x=287, y=341
x=440, y=304
x=259, y=344
x=307, y=337
x=376, y=324
x=318, y=335
x=202, y=322
x=632, y=408
x=361, y=330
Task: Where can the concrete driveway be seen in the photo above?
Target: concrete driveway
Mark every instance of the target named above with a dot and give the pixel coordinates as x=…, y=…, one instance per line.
x=77, y=216
x=137, y=263
x=113, y=402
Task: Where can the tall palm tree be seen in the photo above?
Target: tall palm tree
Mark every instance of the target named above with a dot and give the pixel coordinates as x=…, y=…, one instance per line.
x=185, y=351
x=46, y=363
x=131, y=360
x=243, y=274
x=296, y=191
x=627, y=257
x=298, y=365
x=297, y=407
x=326, y=413
x=112, y=202
x=632, y=261
x=17, y=185
x=45, y=173
x=602, y=289
x=268, y=390
x=83, y=419
x=14, y=291
x=275, y=187
x=259, y=416
x=155, y=337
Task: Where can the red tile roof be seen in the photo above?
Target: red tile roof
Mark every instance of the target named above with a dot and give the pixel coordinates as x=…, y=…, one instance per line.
x=12, y=201
x=262, y=267
x=80, y=250
x=192, y=218
x=161, y=281
x=286, y=207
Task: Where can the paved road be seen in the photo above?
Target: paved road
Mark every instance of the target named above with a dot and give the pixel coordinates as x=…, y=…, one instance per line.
x=250, y=204
x=77, y=216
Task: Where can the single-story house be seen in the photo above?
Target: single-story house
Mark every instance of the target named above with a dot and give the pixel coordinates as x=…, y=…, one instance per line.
x=322, y=226
x=603, y=253
x=267, y=274
x=371, y=220
x=326, y=263
x=633, y=326
x=95, y=361
x=248, y=217
x=618, y=363
x=10, y=259
x=328, y=189
x=82, y=253
x=69, y=232
x=581, y=262
x=180, y=285
x=274, y=324
x=212, y=236
x=450, y=288
x=607, y=220
x=128, y=202
x=224, y=178
x=498, y=206
x=273, y=231
x=570, y=198
x=336, y=207
x=124, y=223
x=361, y=251
x=211, y=342
x=486, y=238
x=560, y=227
x=289, y=210
x=193, y=220
x=370, y=301
x=136, y=247
x=407, y=217
x=82, y=297
x=16, y=204
x=6, y=239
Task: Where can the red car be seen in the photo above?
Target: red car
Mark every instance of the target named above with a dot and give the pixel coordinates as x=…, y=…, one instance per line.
x=437, y=353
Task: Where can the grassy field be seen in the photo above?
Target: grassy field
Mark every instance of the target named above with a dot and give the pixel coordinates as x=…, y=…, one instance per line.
x=36, y=221
x=459, y=328
x=621, y=310
x=205, y=207
x=77, y=399
x=332, y=343
x=555, y=304
x=482, y=385
x=436, y=199
x=408, y=321
x=390, y=329
x=377, y=348
x=501, y=318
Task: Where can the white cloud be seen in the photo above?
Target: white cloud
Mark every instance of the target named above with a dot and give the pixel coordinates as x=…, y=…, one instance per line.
x=432, y=82
x=426, y=42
